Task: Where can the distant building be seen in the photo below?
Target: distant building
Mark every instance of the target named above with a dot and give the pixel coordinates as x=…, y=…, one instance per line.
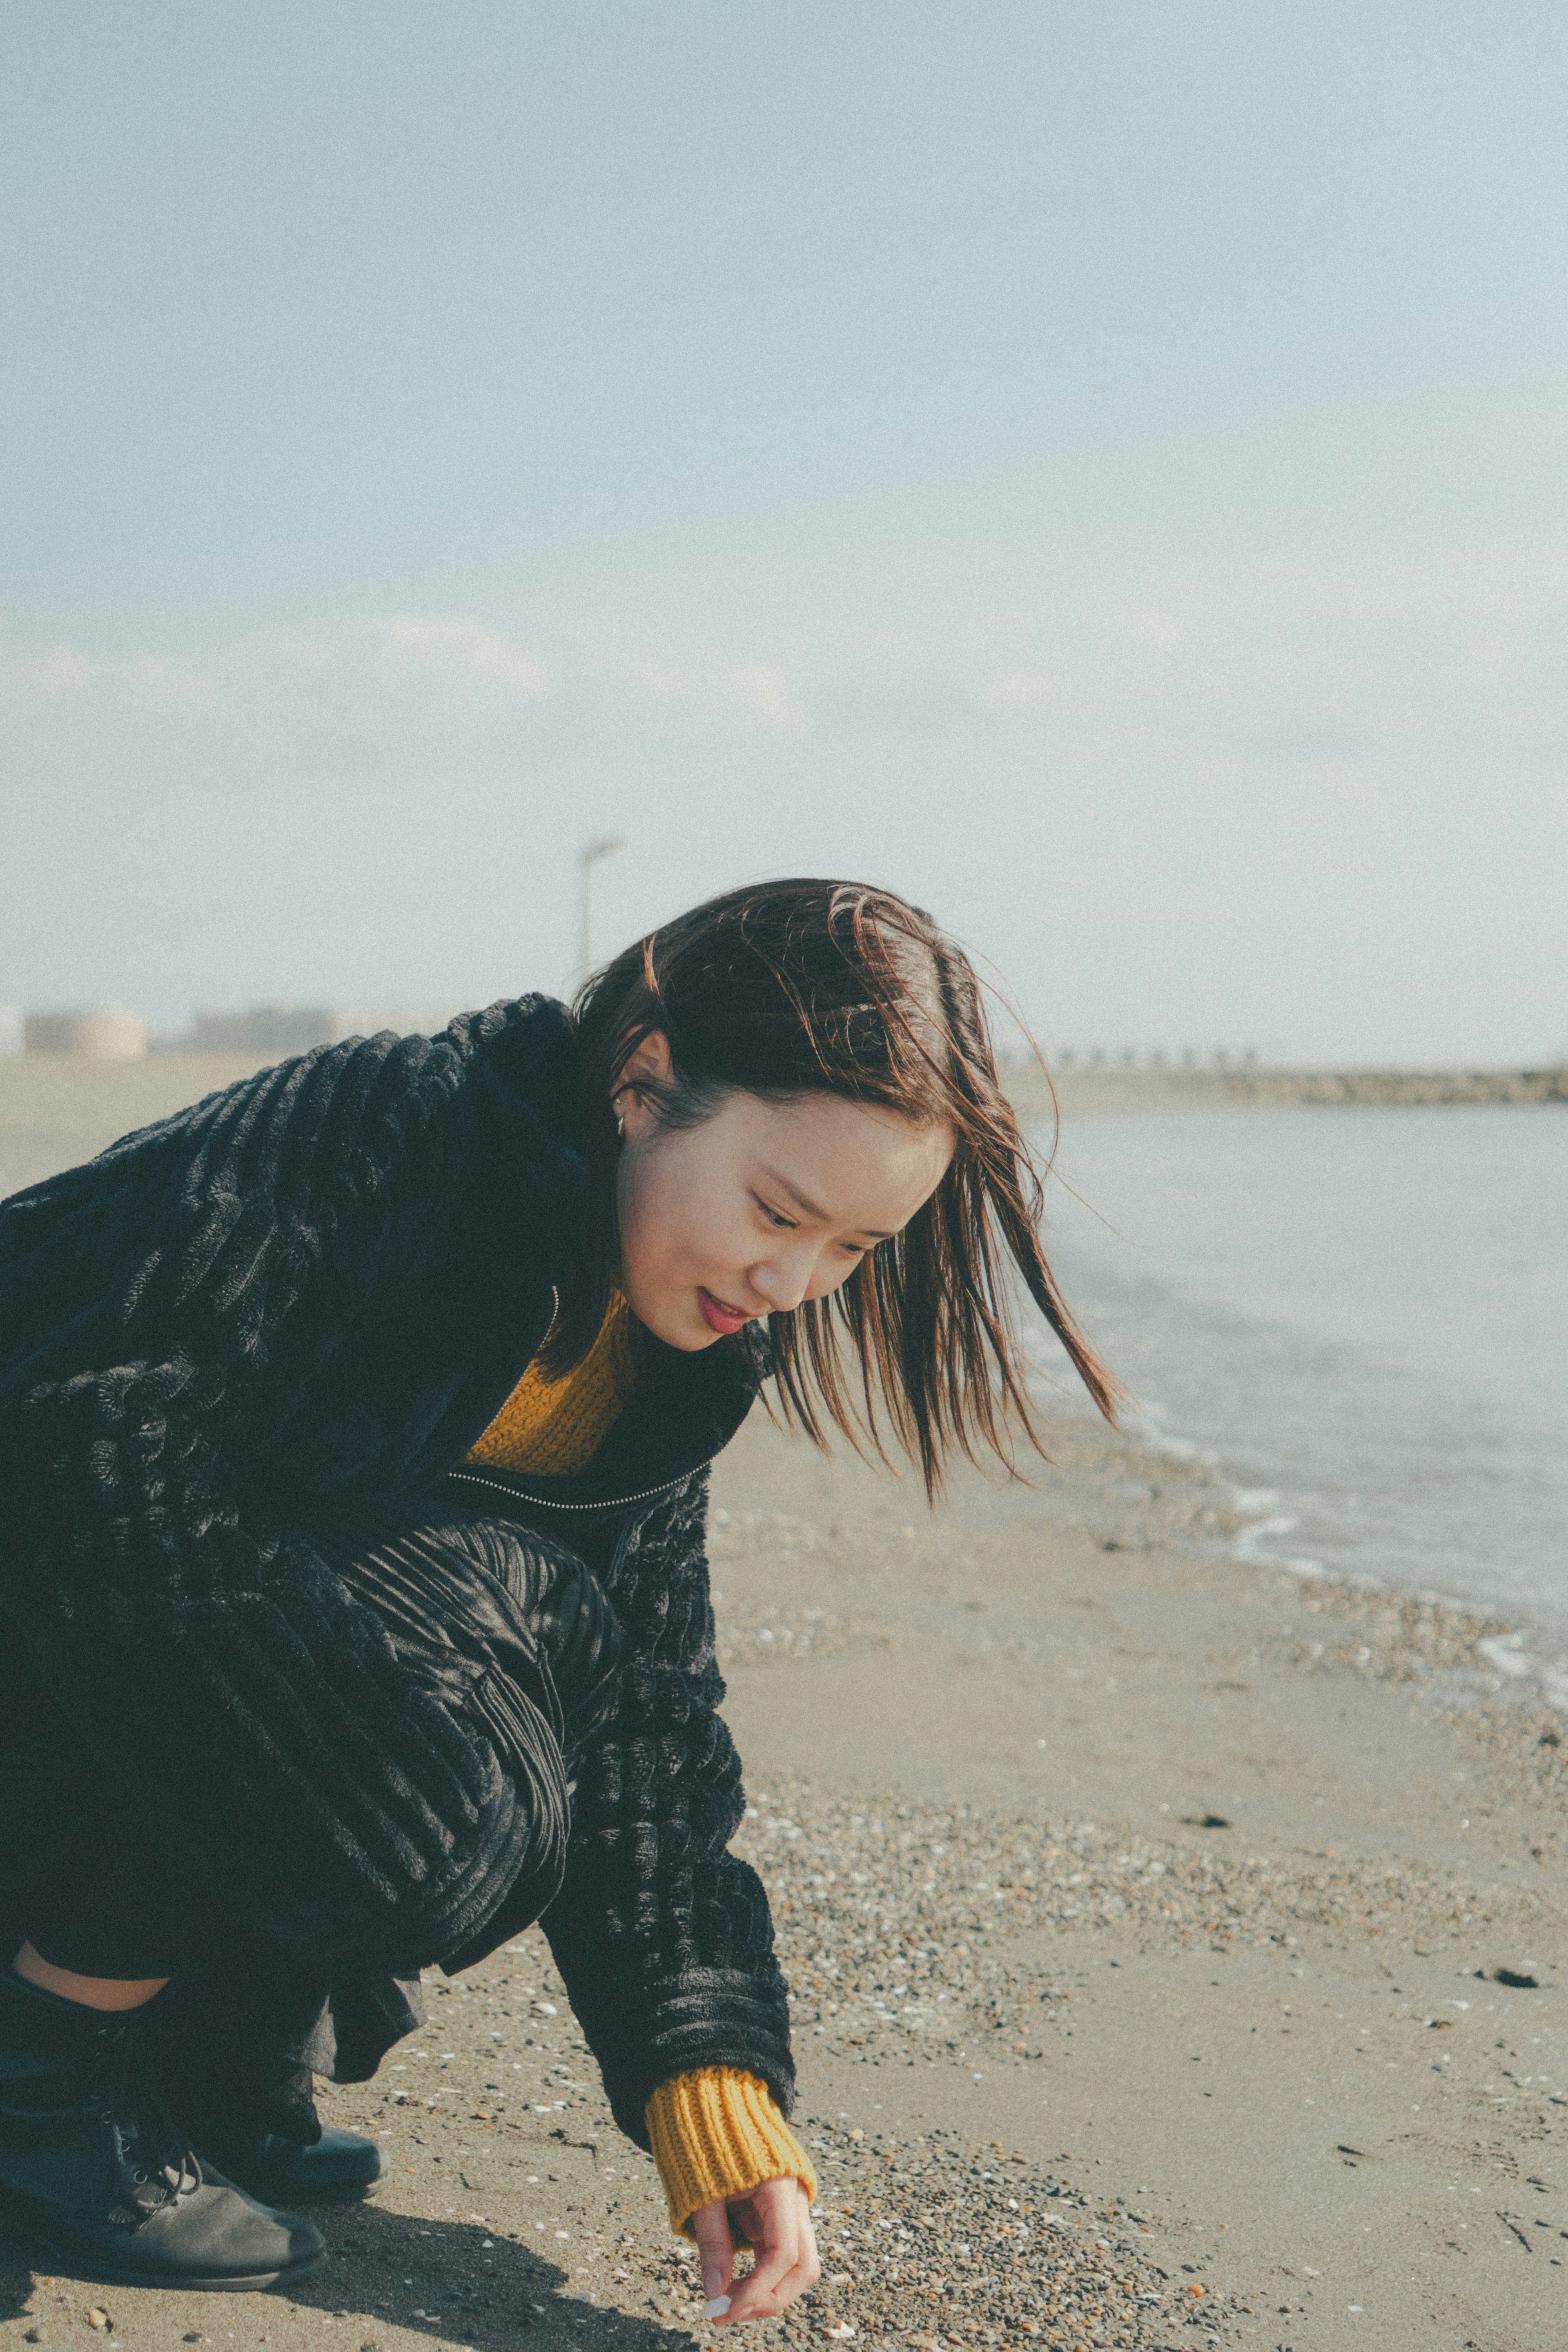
x=261, y=1029
x=277, y=1030
x=106, y=1034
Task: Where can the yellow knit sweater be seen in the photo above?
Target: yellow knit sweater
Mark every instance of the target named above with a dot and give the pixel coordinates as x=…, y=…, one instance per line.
x=716, y=2133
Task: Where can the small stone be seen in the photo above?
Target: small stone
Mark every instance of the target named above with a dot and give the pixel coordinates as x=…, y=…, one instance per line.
x=34, y=2336
x=97, y=2317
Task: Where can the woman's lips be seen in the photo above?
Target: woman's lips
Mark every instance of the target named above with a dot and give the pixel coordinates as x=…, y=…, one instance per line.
x=717, y=1315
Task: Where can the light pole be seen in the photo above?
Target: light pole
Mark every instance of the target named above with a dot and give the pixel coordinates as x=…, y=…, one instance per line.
x=597, y=846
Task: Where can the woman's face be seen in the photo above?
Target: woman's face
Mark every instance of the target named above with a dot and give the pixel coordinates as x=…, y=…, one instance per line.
x=762, y=1205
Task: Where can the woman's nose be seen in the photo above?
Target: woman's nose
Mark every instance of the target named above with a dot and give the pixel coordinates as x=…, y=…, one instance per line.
x=785, y=1279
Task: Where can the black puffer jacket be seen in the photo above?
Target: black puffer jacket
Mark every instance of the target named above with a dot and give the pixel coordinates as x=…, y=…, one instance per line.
x=310, y=1292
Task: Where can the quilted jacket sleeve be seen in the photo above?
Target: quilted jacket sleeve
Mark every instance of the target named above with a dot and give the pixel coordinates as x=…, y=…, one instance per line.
x=664, y=1938
x=183, y=1318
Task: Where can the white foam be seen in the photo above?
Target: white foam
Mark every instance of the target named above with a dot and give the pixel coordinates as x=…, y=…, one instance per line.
x=1512, y=1661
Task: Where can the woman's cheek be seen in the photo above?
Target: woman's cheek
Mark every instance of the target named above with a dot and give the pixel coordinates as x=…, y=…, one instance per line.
x=640, y=1253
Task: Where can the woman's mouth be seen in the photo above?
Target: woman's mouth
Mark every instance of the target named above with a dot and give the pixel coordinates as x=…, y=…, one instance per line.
x=718, y=1313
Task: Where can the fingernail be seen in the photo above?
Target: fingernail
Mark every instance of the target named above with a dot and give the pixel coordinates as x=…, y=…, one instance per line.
x=717, y=2304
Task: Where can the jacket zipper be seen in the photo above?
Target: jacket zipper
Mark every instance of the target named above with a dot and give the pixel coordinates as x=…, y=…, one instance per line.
x=615, y=1503
x=612, y=1503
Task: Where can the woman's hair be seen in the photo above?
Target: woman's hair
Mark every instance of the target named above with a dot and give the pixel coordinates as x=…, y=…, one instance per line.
x=804, y=987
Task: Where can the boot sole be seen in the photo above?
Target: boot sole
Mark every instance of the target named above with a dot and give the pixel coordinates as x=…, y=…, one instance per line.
x=69, y=2261
x=294, y=2200
x=292, y=2196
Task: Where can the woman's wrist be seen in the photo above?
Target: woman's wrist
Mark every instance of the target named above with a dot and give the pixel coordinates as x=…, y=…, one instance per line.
x=716, y=2134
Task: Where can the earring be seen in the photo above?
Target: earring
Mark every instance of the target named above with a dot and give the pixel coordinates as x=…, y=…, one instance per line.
x=621, y=1130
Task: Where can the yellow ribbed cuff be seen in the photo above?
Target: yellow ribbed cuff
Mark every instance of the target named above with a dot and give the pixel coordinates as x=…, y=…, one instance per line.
x=717, y=2133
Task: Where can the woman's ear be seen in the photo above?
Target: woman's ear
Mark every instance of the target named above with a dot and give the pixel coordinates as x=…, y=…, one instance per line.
x=649, y=1065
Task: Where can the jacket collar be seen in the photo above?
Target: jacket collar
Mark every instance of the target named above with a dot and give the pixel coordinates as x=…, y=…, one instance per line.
x=525, y=1055
x=685, y=1408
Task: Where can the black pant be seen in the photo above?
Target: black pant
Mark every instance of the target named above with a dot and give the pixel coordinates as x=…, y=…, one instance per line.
x=510, y=1629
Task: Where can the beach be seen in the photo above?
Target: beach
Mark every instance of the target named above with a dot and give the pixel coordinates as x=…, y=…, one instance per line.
x=1176, y=1946
x=1150, y=1919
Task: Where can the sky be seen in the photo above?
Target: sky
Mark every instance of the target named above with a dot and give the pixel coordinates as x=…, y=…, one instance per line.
x=1099, y=471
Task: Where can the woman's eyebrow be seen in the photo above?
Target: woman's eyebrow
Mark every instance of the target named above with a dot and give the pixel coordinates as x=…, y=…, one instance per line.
x=809, y=1208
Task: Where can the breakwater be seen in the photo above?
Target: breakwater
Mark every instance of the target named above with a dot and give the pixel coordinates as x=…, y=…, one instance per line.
x=1082, y=1093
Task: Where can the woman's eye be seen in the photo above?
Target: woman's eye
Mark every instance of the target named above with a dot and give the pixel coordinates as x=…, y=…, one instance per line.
x=777, y=1217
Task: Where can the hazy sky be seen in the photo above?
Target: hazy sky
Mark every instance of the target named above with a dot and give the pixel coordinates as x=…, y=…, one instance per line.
x=1100, y=470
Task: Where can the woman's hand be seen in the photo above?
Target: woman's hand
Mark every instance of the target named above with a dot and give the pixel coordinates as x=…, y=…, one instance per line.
x=776, y=2221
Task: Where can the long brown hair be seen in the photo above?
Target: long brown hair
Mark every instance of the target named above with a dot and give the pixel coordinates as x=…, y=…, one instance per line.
x=810, y=987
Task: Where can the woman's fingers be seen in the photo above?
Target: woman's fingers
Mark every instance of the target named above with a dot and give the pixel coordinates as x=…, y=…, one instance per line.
x=716, y=2248
x=777, y=2218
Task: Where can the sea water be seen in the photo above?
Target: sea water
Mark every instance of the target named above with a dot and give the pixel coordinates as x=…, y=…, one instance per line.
x=1360, y=1316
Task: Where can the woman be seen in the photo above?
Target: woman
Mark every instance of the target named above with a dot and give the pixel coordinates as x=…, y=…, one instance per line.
x=354, y=1430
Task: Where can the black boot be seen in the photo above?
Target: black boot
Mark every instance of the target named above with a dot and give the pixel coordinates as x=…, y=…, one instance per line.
x=233, y=2048
x=338, y=2166
x=95, y=2177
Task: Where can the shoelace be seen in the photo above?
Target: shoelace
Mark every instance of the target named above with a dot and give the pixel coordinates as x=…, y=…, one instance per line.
x=157, y=2183
x=171, y=2172
x=179, y=2178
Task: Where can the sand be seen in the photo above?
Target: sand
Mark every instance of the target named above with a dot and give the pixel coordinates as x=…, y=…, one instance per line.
x=1160, y=1928
x=57, y=1110
x=1145, y=1912
x=1269, y=2035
